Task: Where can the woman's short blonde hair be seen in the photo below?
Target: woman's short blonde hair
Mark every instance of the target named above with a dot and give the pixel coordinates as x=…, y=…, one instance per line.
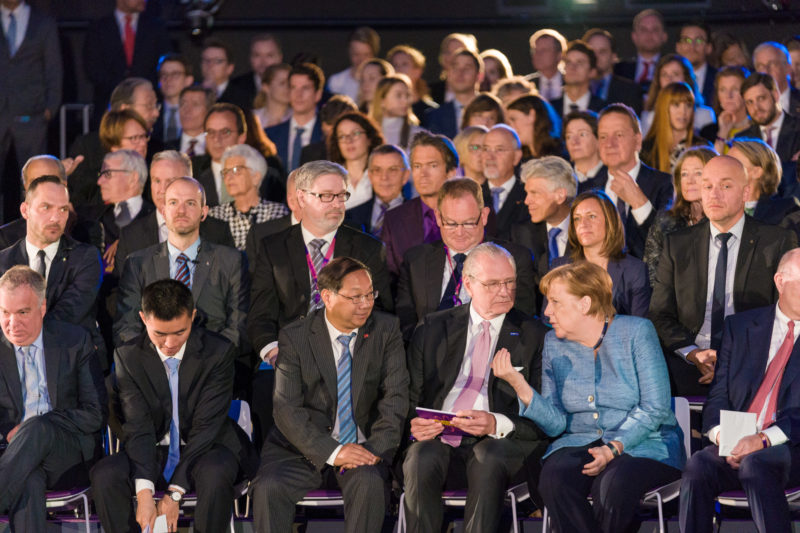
x=581, y=279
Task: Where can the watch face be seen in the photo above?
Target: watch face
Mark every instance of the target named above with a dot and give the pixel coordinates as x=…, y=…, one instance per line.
x=175, y=495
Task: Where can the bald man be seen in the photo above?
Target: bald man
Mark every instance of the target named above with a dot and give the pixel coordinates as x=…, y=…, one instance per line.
x=720, y=266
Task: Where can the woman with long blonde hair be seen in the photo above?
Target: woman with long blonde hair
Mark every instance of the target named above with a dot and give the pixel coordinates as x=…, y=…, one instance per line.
x=391, y=109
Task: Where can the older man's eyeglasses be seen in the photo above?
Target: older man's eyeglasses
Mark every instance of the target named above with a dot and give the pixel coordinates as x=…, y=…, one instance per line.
x=327, y=197
x=361, y=298
x=237, y=171
x=493, y=286
x=451, y=225
x=109, y=171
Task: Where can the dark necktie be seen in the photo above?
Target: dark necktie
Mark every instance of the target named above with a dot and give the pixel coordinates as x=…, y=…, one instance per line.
x=316, y=259
x=552, y=247
x=130, y=39
x=348, y=432
x=124, y=216
x=190, y=150
x=12, y=35
x=182, y=274
x=378, y=225
x=297, y=147
x=718, y=296
x=41, y=267
x=450, y=298
x=172, y=124
x=573, y=108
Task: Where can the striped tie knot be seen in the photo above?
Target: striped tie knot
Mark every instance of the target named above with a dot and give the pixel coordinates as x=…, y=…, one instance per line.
x=182, y=274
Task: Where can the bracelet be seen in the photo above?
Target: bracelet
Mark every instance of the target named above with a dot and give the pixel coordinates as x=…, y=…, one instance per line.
x=614, y=450
x=764, y=439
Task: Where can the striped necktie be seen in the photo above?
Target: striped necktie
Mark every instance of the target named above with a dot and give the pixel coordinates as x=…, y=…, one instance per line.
x=347, y=424
x=182, y=274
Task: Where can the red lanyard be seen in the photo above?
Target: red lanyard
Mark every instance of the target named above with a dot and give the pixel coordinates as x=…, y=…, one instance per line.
x=313, y=270
x=457, y=291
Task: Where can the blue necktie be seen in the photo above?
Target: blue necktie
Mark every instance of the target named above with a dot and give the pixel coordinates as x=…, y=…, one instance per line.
x=12, y=35
x=182, y=274
x=552, y=248
x=450, y=298
x=347, y=424
x=174, y=435
x=496, y=192
x=30, y=395
x=718, y=296
x=297, y=147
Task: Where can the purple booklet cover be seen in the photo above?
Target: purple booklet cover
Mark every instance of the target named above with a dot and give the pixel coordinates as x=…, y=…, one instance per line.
x=444, y=418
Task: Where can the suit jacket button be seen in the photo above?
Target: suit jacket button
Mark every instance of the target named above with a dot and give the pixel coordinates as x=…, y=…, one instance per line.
x=329, y=429
x=599, y=431
x=591, y=398
x=595, y=416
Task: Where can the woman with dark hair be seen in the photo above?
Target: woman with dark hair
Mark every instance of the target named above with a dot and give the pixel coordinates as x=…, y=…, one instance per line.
x=353, y=137
x=596, y=234
x=484, y=110
x=729, y=51
x=729, y=107
x=271, y=104
x=538, y=126
x=369, y=74
x=687, y=209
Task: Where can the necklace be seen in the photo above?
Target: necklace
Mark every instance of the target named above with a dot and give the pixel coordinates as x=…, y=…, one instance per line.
x=602, y=335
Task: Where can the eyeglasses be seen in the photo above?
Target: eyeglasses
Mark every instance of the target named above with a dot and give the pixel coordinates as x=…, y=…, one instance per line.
x=236, y=171
x=475, y=148
x=213, y=61
x=327, y=197
x=493, y=287
x=690, y=41
x=349, y=137
x=148, y=107
x=449, y=224
x=142, y=137
x=107, y=172
x=361, y=298
x=171, y=75
x=496, y=149
x=219, y=134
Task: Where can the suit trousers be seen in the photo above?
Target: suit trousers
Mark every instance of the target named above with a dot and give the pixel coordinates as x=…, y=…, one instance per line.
x=615, y=492
x=212, y=476
x=285, y=477
x=763, y=475
x=683, y=377
x=28, y=137
x=487, y=466
x=41, y=456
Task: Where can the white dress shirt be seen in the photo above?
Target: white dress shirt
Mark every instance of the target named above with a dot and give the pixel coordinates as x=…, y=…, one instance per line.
x=344, y=83
x=582, y=103
x=22, y=15
x=641, y=213
x=199, y=147
x=305, y=138
x=590, y=174
x=776, y=126
x=361, y=193
x=506, y=186
x=163, y=232
x=562, y=237
x=700, y=77
x=216, y=170
x=49, y=254
x=120, y=16
x=134, y=206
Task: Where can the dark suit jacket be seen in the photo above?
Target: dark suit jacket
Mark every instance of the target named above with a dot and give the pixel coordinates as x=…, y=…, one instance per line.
x=205, y=385
x=12, y=232
x=533, y=236
x=36, y=67
x=419, y=290
x=282, y=285
x=772, y=209
x=787, y=146
x=279, y=134
x=657, y=186
x=437, y=350
x=513, y=212
x=402, y=229
x=625, y=91
x=74, y=384
x=595, y=104
x=360, y=216
x=707, y=90
x=794, y=101
x=240, y=91
x=220, y=286
x=96, y=224
x=305, y=395
x=627, y=69
x=314, y=152
x=740, y=369
x=256, y=236
x=442, y=120
x=678, y=304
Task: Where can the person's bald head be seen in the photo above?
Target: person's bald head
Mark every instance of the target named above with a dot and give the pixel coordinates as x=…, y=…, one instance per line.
x=725, y=189
x=42, y=165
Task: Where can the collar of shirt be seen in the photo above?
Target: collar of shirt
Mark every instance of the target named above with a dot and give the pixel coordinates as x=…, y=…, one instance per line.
x=163, y=232
x=308, y=237
x=134, y=206
x=39, y=343
x=786, y=99
x=781, y=323
x=640, y=61
x=190, y=252
x=361, y=193
x=590, y=174
x=700, y=75
x=120, y=16
x=582, y=102
x=21, y=14
x=736, y=230
x=295, y=221
x=475, y=323
x=221, y=88
x=257, y=82
x=563, y=235
x=178, y=356
x=199, y=147
x=776, y=128
x=308, y=127
x=49, y=251
x=335, y=344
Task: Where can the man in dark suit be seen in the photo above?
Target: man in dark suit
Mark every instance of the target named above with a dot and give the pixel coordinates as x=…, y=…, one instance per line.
x=502, y=152
x=434, y=160
x=216, y=274
x=694, y=43
x=431, y=275
x=194, y=103
x=773, y=58
x=547, y=48
x=463, y=78
x=216, y=61
x=174, y=383
x=322, y=428
x=757, y=372
x=259, y=231
x=648, y=37
x=776, y=127
x=338, y=104
x=306, y=82
x=388, y=171
x=638, y=190
x=579, y=63
x=124, y=44
x=710, y=270
x=265, y=51
x=449, y=350
x=53, y=404
x=608, y=86
x=174, y=75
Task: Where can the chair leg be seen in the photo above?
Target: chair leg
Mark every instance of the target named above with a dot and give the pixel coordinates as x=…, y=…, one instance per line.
x=401, y=514
x=85, y=499
x=233, y=529
x=545, y=521
x=515, y=526
x=661, y=528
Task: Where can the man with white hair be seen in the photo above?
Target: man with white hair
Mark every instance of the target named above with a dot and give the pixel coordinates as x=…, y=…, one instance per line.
x=774, y=59
x=243, y=169
x=502, y=152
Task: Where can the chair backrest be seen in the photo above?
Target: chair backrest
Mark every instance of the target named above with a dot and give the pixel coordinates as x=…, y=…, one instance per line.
x=680, y=406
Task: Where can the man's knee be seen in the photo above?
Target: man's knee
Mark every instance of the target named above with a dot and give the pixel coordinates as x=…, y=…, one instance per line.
x=108, y=472
x=760, y=468
x=701, y=466
x=422, y=456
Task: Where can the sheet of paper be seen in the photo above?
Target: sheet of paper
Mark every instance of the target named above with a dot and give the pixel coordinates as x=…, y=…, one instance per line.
x=160, y=526
x=733, y=426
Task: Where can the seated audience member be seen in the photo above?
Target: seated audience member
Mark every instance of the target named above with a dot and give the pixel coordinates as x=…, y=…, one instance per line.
x=672, y=131
x=216, y=65
x=462, y=219
x=174, y=75
x=502, y=152
x=754, y=374
x=288, y=263
x=433, y=161
x=496, y=67
x=388, y=172
x=764, y=174
x=607, y=85
x=243, y=169
x=215, y=274
x=124, y=130
x=793, y=47
x=225, y=125
x=271, y=105
x=637, y=190
x=694, y=43
x=463, y=79
x=273, y=186
x=392, y=109
x=408, y=60
x=538, y=126
x=579, y=63
x=580, y=138
x=547, y=57
x=710, y=270
x=596, y=235
x=265, y=53
x=152, y=228
x=687, y=210
x=772, y=124
x=484, y=110
x=50, y=435
x=363, y=44
x=306, y=82
x=369, y=74
x=469, y=145
x=441, y=91
x=773, y=59
x=625, y=440
x=730, y=51
x=72, y=271
x=729, y=107
x=175, y=383
x=448, y=362
x=648, y=36
x=351, y=436
x=353, y=137
x=512, y=88
x=338, y=104
x=195, y=101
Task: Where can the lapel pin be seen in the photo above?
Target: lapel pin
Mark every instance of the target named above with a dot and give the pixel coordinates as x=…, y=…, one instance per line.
x=366, y=335
x=514, y=333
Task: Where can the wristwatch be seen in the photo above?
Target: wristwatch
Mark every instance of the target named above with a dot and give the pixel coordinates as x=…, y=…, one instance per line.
x=175, y=495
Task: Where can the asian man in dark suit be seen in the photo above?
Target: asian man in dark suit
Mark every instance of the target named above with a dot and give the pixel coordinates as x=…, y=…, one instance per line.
x=449, y=350
x=322, y=428
x=175, y=383
x=757, y=371
x=700, y=280
x=53, y=404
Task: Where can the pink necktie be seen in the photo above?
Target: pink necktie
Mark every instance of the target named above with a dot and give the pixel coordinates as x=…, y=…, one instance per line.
x=770, y=129
x=772, y=380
